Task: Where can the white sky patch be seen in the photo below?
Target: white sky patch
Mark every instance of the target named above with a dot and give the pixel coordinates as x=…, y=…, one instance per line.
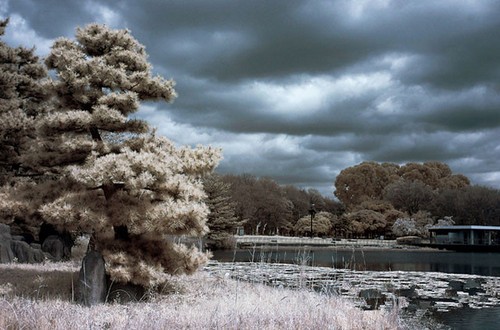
x=357, y=9
x=282, y=146
x=388, y=106
x=212, y=44
x=185, y=134
x=181, y=134
x=397, y=62
x=19, y=33
x=313, y=94
x=468, y=139
x=3, y=9
x=490, y=179
x=103, y=13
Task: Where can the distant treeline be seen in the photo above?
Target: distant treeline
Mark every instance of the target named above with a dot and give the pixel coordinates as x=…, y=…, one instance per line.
x=371, y=198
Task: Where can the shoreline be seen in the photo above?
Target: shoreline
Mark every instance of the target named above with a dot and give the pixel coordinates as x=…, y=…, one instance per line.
x=254, y=241
x=347, y=248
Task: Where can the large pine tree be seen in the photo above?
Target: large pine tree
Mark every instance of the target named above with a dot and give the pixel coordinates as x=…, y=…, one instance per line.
x=129, y=193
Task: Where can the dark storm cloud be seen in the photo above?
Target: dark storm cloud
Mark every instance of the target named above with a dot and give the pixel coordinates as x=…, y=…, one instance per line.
x=299, y=90
x=52, y=18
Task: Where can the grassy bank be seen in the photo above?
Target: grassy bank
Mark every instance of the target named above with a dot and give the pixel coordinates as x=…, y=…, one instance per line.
x=40, y=297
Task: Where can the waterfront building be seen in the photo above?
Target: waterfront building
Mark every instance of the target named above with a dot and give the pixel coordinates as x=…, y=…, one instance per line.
x=466, y=238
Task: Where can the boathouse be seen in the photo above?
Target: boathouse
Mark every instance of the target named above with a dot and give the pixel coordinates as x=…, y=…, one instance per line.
x=473, y=238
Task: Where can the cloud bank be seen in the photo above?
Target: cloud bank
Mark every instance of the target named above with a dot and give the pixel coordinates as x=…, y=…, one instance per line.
x=299, y=90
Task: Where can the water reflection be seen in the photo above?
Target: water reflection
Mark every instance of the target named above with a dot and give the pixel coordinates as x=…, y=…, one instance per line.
x=471, y=319
x=486, y=264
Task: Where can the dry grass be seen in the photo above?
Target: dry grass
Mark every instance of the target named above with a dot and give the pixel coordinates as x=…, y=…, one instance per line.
x=39, y=297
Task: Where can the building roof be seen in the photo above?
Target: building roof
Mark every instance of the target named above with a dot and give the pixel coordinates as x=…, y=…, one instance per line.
x=472, y=227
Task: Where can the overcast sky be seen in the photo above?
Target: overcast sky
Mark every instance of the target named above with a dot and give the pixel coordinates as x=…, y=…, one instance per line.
x=299, y=90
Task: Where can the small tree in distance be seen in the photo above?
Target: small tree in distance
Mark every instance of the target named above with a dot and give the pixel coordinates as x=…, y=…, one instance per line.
x=222, y=220
x=416, y=225
x=321, y=223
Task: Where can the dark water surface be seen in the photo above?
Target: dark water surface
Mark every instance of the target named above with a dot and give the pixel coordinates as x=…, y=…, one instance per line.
x=485, y=264
x=471, y=319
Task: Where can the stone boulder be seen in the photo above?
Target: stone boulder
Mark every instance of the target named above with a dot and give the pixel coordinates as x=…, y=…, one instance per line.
x=54, y=246
x=6, y=254
x=373, y=297
x=92, y=285
x=57, y=244
x=16, y=248
x=126, y=292
x=24, y=253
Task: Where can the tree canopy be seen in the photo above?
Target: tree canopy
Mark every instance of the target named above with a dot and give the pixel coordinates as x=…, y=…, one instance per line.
x=369, y=180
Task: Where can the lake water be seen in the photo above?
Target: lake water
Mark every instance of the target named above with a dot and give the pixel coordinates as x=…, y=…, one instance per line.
x=485, y=264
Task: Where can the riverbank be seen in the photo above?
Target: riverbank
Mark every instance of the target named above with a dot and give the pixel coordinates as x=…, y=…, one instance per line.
x=39, y=297
x=251, y=241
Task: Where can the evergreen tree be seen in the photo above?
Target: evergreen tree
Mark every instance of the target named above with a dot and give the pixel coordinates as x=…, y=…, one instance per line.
x=24, y=97
x=222, y=220
x=130, y=194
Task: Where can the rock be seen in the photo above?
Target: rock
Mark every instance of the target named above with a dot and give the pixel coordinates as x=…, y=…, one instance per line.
x=92, y=286
x=22, y=252
x=6, y=254
x=473, y=287
x=456, y=285
x=54, y=245
x=407, y=292
x=4, y=230
x=36, y=246
x=38, y=254
x=48, y=232
x=25, y=253
x=373, y=297
x=126, y=292
x=450, y=293
x=16, y=248
x=472, y=284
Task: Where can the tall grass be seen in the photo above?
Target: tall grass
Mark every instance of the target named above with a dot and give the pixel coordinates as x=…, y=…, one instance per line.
x=39, y=297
